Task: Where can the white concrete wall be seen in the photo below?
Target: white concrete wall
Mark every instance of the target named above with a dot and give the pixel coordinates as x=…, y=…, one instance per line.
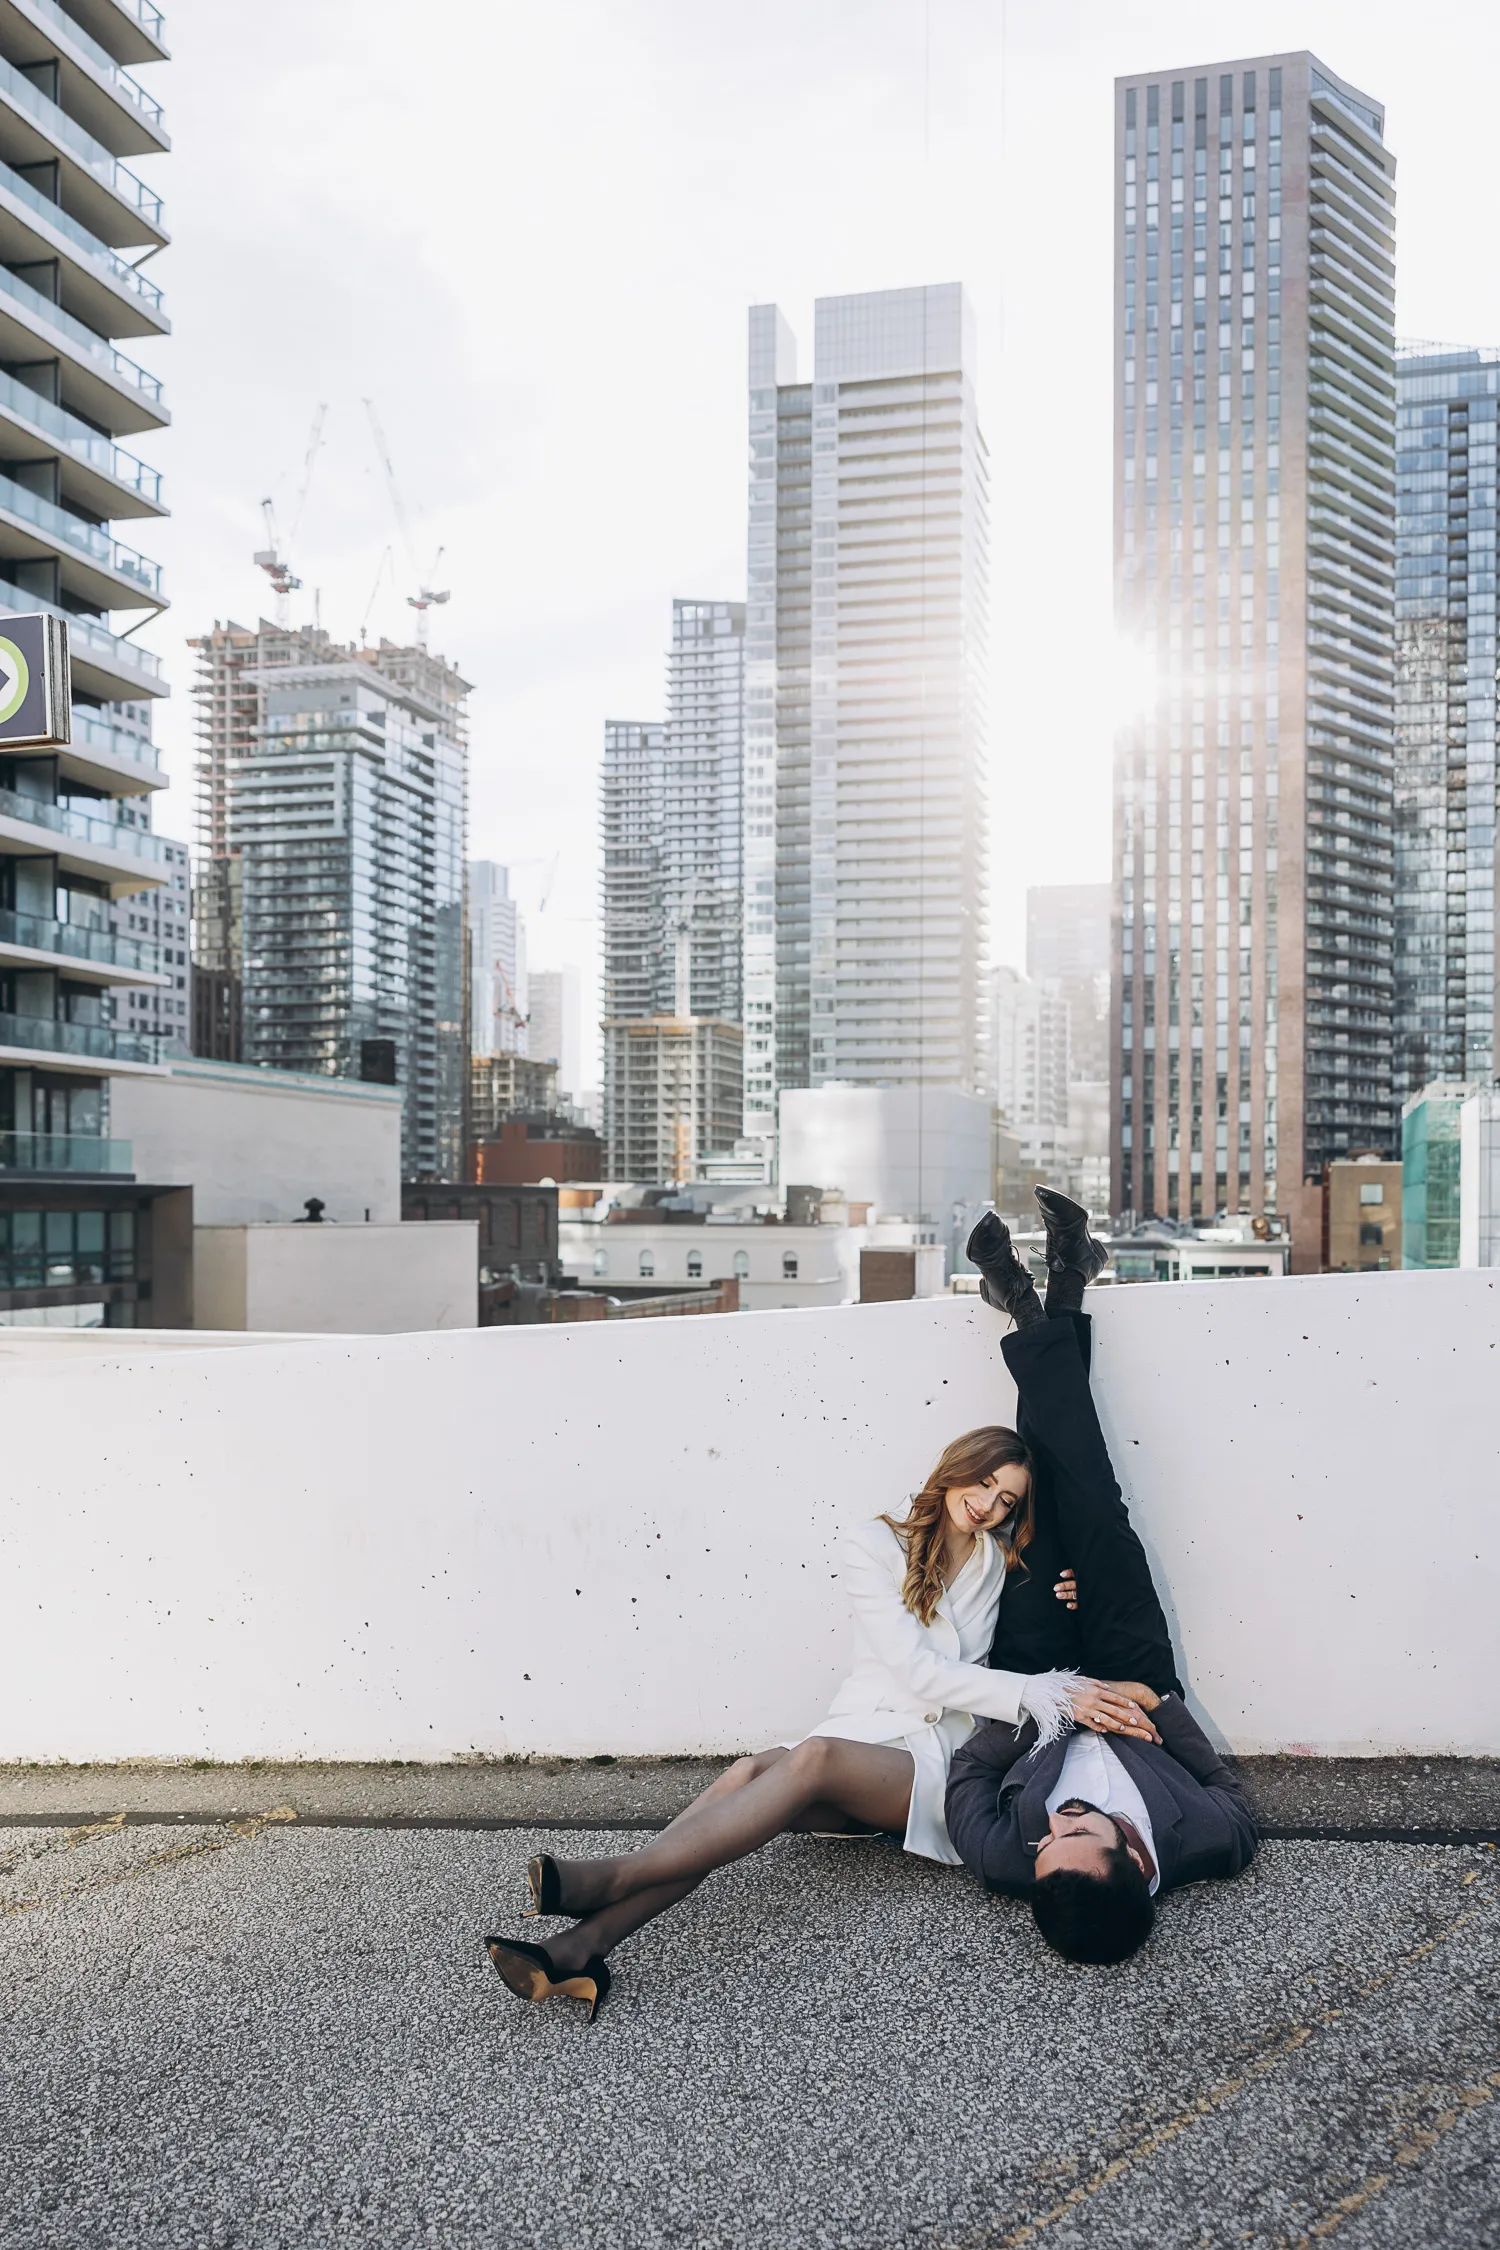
x=337, y=1281
x=623, y=1537
x=255, y=1144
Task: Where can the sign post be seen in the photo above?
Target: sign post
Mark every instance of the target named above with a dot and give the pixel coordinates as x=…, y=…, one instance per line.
x=36, y=696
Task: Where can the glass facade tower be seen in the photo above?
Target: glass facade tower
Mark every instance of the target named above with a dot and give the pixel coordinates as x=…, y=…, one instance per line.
x=77, y=856
x=672, y=815
x=339, y=801
x=864, y=711
x=1254, y=570
x=1447, y=526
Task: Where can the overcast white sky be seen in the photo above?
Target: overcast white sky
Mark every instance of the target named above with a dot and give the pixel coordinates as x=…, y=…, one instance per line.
x=530, y=232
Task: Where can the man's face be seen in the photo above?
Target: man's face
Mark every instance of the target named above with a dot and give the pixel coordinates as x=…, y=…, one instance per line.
x=1082, y=1838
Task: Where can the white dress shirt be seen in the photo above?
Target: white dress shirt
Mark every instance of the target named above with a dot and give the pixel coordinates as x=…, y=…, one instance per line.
x=1091, y=1770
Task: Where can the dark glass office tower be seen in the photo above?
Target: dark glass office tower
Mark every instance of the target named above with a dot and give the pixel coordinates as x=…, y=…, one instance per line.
x=1254, y=552
x=1447, y=524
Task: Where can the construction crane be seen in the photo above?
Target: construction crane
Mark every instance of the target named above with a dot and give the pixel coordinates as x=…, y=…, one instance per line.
x=428, y=594
x=271, y=559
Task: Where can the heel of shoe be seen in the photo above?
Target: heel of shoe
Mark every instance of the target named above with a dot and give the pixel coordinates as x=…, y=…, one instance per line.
x=545, y=1883
x=529, y=1972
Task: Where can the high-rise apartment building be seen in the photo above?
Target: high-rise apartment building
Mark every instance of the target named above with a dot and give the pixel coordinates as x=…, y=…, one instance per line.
x=699, y=871
x=555, y=1030
x=864, y=730
x=671, y=820
x=75, y=829
x=1029, y=1051
x=498, y=1003
x=1254, y=552
x=161, y=919
x=671, y=826
x=333, y=802
x=629, y=823
x=1447, y=525
x=1067, y=946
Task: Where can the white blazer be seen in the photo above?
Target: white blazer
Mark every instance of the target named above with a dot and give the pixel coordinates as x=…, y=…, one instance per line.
x=907, y=1674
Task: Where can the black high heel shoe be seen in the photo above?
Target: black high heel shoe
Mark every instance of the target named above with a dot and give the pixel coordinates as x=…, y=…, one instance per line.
x=546, y=1886
x=1071, y=1249
x=1003, y=1280
x=529, y=1973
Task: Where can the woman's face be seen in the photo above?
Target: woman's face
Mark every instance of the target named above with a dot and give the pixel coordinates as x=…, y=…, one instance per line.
x=982, y=1507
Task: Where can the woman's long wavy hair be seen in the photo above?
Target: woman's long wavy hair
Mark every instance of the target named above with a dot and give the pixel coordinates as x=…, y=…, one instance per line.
x=968, y=1460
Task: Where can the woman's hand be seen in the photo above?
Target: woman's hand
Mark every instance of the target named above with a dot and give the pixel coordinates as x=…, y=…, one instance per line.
x=1066, y=1589
x=1100, y=1705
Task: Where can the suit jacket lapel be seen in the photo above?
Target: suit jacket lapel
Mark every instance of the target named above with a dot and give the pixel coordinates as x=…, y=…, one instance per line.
x=1161, y=1802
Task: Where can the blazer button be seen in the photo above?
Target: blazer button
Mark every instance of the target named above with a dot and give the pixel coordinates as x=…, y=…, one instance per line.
x=930, y=1718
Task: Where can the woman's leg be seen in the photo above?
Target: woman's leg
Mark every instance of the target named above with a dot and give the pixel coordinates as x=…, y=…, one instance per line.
x=811, y=1786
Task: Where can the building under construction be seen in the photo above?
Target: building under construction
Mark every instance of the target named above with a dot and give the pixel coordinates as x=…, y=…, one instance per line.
x=332, y=800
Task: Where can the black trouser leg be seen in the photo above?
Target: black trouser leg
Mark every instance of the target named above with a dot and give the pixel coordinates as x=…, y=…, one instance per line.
x=1118, y=1631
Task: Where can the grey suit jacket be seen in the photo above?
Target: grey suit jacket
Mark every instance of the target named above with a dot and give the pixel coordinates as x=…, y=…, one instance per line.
x=1201, y=1823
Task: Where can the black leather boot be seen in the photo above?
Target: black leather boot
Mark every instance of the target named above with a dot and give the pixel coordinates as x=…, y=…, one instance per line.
x=1073, y=1256
x=1003, y=1280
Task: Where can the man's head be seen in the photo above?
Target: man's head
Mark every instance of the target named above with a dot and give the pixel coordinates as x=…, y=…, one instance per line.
x=1092, y=1898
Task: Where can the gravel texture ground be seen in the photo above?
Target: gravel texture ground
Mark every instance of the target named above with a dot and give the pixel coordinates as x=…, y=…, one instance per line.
x=258, y=2033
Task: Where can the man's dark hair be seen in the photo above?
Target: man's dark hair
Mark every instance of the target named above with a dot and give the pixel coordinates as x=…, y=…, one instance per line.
x=1097, y=1918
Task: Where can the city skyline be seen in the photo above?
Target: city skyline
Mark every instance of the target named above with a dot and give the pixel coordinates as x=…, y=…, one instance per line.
x=524, y=632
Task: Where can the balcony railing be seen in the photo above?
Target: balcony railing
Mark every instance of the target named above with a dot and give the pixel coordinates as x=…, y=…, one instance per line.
x=63, y=1152
x=91, y=539
x=94, y=733
x=78, y=941
x=121, y=82
x=91, y=154
x=77, y=438
x=119, y=655
x=80, y=336
x=98, y=1041
x=109, y=835
x=114, y=267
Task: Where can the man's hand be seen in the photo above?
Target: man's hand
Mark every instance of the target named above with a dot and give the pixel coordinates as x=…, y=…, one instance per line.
x=1066, y=1589
x=1108, y=1709
x=1137, y=1692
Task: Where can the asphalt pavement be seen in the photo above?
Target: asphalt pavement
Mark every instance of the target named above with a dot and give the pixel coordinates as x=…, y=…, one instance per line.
x=252, y=2030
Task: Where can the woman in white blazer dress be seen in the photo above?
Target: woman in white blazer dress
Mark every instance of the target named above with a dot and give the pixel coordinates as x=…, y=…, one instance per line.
x=925, y=1593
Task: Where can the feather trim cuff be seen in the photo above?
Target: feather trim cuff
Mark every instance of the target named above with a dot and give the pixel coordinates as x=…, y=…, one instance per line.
x=1047, y=1697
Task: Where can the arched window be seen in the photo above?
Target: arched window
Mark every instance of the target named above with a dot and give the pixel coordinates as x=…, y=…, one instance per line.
x=695, y=1265
x=789, y=1266
x=742, y=1265
x=648, y=1265
x=601, y=1261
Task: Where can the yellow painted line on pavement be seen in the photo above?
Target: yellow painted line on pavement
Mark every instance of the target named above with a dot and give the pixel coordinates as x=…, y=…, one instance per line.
x=1414, y=2150
x=195, y=1847
x=1205, y=2105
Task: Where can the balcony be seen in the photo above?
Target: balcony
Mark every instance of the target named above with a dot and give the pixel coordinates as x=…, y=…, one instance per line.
x=101, y=192
x=114, y=576
x=103, y=663
x=45, y=1036
x=129, y=859
x=92, y=955
x=96, y=473
x=97, y=380
x=95, y=284
x=63, y=1152
x=106, y=99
